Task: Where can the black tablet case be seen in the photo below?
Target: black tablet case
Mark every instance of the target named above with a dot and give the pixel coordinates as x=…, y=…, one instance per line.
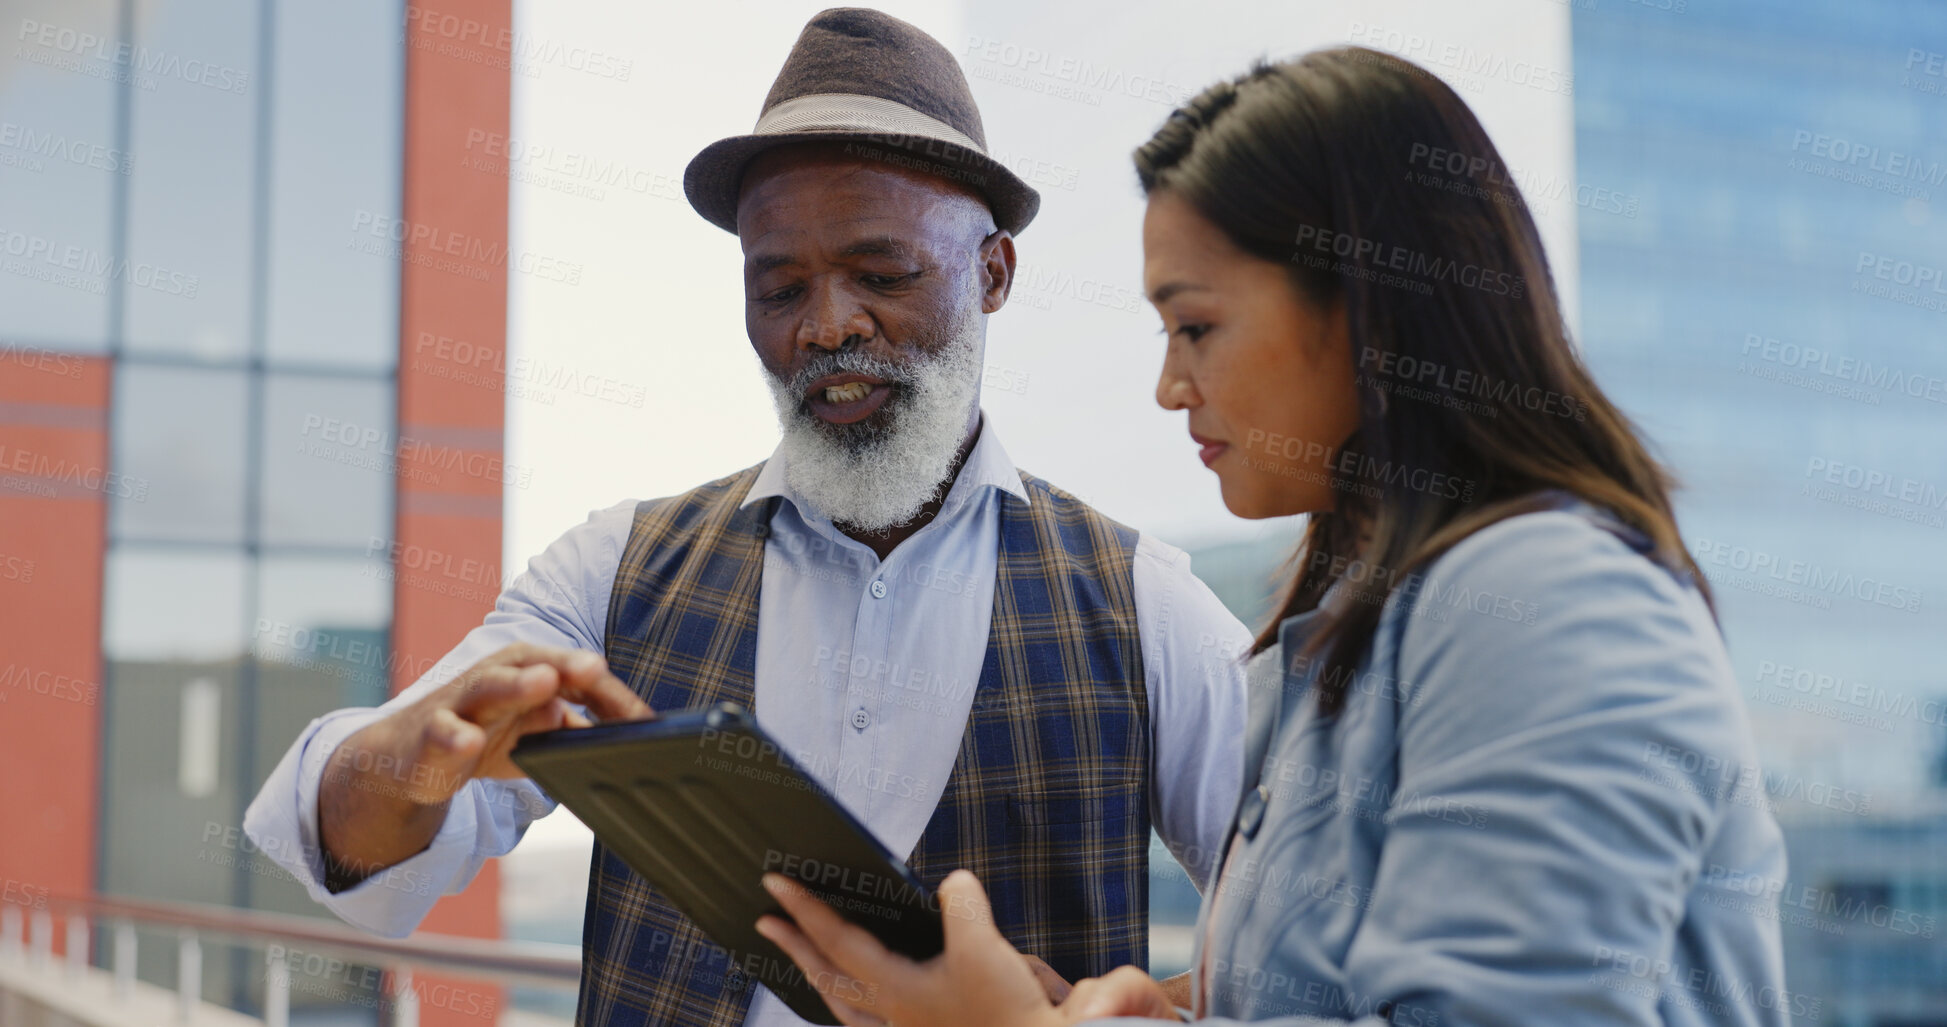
x=701, y=805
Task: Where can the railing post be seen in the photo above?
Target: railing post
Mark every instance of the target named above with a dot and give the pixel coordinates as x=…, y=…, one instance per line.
x=189, y=975
x=405, y=1001
x=277, y=988
x=9, y=929
x=78, y=954
x=42, y=923
x=124, y=958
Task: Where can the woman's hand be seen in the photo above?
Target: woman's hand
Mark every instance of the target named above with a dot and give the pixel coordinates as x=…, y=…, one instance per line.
x=979, y=980
x=1126, y=991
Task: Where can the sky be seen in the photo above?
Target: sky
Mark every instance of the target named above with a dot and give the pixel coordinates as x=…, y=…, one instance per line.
x=619, y=97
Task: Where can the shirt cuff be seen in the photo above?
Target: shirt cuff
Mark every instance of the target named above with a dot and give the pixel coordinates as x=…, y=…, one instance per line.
x=393, y=901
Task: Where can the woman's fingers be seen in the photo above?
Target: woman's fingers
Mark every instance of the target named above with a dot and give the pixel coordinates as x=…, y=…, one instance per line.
x=850, y=948
x=964, y=907
x=1126, y=991
x=1054, y=984
x=842, y=992
x=979, y=981
x=1080, y=998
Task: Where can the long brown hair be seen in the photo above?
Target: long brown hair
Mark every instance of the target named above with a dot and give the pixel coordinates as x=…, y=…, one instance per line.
x=1375, y=186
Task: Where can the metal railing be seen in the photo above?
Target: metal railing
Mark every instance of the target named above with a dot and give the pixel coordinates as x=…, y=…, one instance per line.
x=512, y=962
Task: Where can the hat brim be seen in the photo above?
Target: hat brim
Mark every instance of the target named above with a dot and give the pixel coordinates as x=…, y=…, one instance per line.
x=715, y=176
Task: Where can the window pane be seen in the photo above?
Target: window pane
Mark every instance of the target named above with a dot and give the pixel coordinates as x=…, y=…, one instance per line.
x=332, y=302
x=159, y=843
x=320, y=639
x=174, y=635
x=194, y=115
x=322, y=624
x=329, y=449
x=58, y=162
x=180, y=431
x=173, y=605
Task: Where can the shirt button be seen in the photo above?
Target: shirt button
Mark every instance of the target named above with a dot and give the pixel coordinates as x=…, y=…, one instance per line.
x=878, y=590
x=861, y=719
x=1251, y=814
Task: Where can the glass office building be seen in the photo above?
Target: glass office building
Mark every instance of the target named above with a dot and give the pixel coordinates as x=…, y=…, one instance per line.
x=214, y=461
x=1765, y=301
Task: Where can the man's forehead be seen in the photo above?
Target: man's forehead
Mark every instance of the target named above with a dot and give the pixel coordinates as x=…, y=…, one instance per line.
x=848, y=239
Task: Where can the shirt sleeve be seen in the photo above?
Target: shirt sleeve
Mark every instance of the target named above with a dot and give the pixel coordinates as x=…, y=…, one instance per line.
x=560, y=600
x=1538, y=832
x=1193, y=659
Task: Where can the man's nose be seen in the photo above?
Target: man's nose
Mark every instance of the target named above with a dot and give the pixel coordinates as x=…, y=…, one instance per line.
x=834, y=320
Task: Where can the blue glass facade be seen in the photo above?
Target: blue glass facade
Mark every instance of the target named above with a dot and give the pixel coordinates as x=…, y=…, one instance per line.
x=1771, y=312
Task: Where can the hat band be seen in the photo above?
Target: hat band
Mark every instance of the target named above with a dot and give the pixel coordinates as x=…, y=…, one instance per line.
x=856, y=112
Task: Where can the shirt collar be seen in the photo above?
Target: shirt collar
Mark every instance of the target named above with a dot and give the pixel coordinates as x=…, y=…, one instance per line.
x=986, y=466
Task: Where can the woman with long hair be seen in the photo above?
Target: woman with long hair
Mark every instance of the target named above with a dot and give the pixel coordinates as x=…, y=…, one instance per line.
x=1498, y=769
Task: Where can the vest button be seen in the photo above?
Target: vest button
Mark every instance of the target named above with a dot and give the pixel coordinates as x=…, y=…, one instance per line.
x=878, y=590
x=1251, y=814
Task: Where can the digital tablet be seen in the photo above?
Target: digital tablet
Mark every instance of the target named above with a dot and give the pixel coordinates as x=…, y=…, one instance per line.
x=702, y=805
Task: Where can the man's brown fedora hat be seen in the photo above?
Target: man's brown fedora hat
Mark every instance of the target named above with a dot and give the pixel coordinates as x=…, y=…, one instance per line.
x=865, y=77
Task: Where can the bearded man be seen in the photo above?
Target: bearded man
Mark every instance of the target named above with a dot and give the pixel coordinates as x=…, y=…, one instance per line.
x=986, y=672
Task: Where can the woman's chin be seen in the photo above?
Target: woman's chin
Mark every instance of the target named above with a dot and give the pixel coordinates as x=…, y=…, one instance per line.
x=1245, y=502
x=1258, y=504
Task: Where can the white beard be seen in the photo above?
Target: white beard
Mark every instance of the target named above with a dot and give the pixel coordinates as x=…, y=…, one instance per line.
x=876, y=478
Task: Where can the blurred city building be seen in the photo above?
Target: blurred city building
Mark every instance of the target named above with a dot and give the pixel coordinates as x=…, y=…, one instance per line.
x=251, y=421
x=1756, y=187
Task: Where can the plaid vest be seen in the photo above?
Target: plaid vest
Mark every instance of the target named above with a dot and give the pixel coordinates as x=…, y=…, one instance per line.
x=1048, y=801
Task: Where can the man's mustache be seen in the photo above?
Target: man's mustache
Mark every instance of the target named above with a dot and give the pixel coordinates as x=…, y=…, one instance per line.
x=826, y=364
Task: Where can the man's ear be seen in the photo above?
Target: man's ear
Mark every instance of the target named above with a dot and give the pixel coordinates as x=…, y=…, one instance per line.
x=996, y=258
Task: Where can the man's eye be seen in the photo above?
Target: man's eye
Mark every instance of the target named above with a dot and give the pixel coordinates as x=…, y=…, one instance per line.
x=888, y=281
x=780, y=295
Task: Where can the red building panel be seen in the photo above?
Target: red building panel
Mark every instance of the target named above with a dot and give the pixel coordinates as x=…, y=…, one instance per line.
x=54, y=487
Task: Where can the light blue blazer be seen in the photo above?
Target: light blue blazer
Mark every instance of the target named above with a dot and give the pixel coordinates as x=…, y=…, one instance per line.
x=1540, y=805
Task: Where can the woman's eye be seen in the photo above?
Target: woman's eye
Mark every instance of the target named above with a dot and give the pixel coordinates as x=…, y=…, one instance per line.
x=1192, y=332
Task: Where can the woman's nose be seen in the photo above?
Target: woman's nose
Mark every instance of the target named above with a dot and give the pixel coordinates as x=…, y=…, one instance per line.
x=1173, y=389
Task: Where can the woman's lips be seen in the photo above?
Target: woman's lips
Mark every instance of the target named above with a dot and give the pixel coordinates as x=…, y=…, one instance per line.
x=849, y=411
x=1210, y=449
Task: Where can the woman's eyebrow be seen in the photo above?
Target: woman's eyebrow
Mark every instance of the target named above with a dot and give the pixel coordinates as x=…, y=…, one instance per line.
x=1162, y=293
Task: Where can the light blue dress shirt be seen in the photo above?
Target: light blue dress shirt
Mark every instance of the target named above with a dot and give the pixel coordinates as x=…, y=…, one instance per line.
x=865, y=674
x=1541, y=805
